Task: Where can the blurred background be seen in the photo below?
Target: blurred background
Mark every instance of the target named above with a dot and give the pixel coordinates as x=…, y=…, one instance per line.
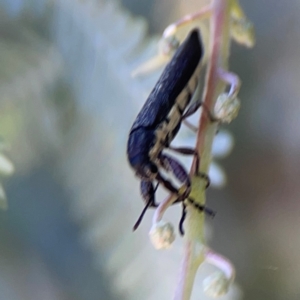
x=67, y=102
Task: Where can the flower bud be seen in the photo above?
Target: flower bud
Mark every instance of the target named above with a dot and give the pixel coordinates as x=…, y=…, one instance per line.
x=216, y=285
x=162, y=235
x=226, y=108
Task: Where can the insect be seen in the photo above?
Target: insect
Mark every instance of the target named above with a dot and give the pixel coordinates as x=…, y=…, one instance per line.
x=159, y=121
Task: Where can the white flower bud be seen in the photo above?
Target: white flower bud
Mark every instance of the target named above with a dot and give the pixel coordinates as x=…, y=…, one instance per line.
x=217, y=175
x=223, y=144
x=162, y=235
x=226, y=108
x=168, y=45
x=216, y=285
x=170, y=31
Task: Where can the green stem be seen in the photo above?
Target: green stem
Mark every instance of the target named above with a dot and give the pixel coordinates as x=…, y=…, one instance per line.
x=194, y=224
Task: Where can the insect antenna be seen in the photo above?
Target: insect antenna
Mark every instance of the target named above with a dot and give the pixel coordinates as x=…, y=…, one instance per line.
x=139, y=220
x=148, y=204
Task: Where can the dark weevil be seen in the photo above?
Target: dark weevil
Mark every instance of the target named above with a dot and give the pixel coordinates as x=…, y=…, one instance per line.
x=160, y=119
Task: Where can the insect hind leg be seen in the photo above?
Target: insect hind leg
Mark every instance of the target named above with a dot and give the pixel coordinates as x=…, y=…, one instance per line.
x=172, y=165
x=182, y=219
x=199, y=207
x=202, y=208
x=191, y=151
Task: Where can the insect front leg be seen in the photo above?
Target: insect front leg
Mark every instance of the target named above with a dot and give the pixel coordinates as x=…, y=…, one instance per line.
x=192, y=109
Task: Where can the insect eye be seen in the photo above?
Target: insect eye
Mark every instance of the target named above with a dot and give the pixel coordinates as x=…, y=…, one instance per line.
x=151, y=170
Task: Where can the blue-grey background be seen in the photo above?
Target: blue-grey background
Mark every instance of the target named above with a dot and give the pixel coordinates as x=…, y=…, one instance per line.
x=66, y=104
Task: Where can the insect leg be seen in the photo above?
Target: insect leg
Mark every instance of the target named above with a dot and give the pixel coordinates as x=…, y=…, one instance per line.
x=204, y=176
x=187, y=151
x=183, y=150
x=183, y=215
x=166, y=183
x=192, y=109
x=172, y=165
x=190, y=125
x=203, y=208
x=169, y=186
x=199, y=207
x=190, y=151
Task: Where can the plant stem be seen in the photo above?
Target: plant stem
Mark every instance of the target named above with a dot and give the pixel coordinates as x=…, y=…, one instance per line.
x=217, y=60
